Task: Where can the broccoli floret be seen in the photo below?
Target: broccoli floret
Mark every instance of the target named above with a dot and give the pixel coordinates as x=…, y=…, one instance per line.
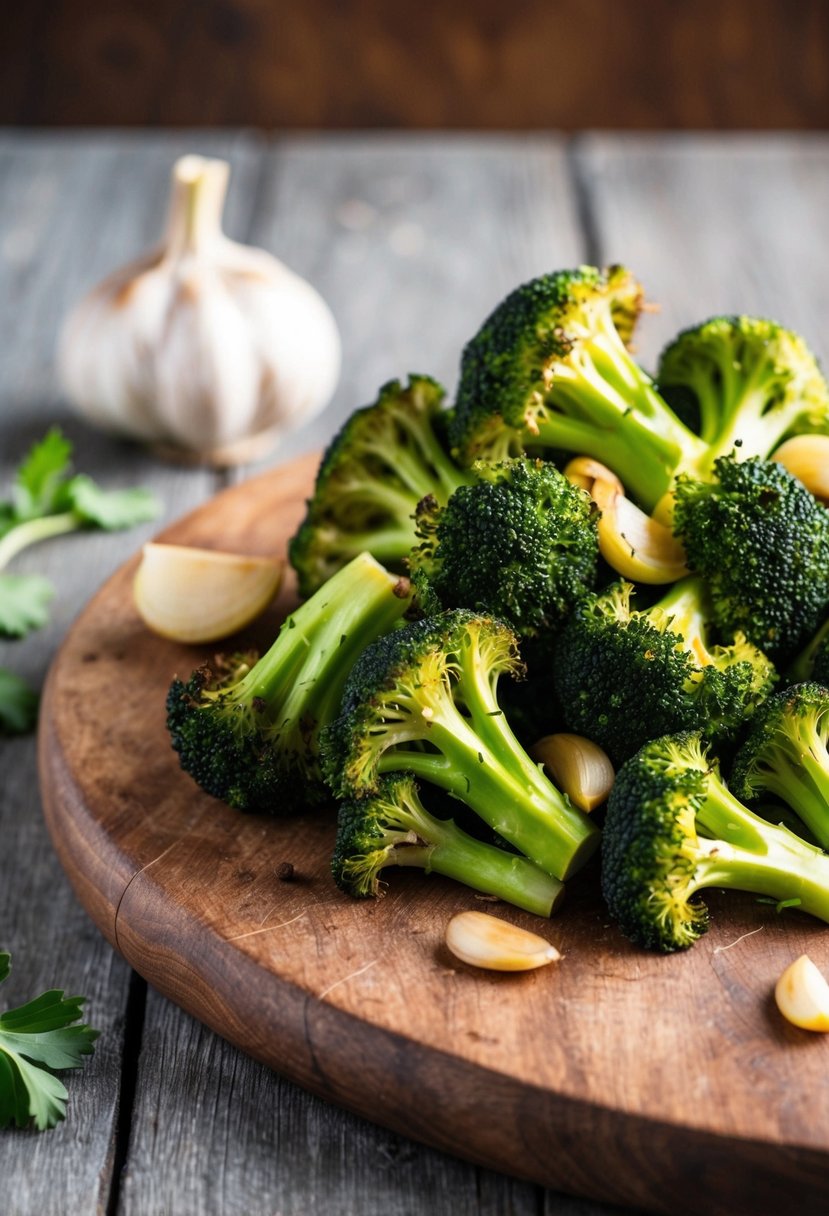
x=521, y=542
x=248, y=731
x=385, y=458
x=549, y=369
x=424, y=700
x=393, y=828
x=751, y=381
x=624, y=675
x=785, y=754
x=673, y=828
x=761, y=541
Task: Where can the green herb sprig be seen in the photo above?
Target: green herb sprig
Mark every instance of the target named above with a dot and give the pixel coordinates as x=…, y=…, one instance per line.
x=36, y=1040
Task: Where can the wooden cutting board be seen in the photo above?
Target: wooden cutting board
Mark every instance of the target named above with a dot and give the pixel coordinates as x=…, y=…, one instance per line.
x=670, y=1084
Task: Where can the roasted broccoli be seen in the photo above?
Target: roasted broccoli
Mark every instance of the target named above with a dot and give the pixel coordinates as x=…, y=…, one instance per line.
x=424, y=700
x=385, y=458
x=247, y=731
x=751, y=381
x=624, y=675
x=549, y=369
x=520, y=542
x=393, y=828
x=673, y=828
x=785, y=754
x=761, y=541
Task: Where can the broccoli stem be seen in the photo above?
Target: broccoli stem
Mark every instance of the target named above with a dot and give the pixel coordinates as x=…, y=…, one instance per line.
x=33, y=531
x=682, y=603
x=386, y=544
x=798, y=774
x=419, y=469
x=483, y=867
x=750, y=854
x=613, y=412
x=301, y=678
x=515, y=799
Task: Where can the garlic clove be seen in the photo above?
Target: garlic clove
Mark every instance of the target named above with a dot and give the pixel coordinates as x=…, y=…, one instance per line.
x=485, y=941
x=578, y=766
x=200, y=595
x=802, y=995
x=583, y=471
x=636, y=545
x=205, y=348
x=807, y=458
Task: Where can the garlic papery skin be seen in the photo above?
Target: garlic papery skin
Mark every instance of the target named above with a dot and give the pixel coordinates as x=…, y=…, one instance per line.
x=207, y=349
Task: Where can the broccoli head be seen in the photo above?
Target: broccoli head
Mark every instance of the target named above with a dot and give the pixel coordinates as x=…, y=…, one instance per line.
x=393, y=828
x=248, y=731
x=761, y=541
x=385, y=458
x=424, y=700
x=673, y=828
x=750, y=381
x=549, y=369
x=624, y=675
x=785, y=754
x=521, y=542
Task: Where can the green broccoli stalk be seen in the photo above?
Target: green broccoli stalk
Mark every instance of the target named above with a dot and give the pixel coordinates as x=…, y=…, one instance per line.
x=549, y=369
x=393, y=828
x=813, y=661
x=248, y=731
x=385, y=458
x=424, y=700
x=521, y=542
x=624, y=675
x=761, y=541
x=785, y=754
x=673, y=828
x=752, y=381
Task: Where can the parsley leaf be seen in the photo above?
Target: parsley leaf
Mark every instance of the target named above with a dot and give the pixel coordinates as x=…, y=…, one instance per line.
x=18, y=704
x=110, y=509
x=37, y=484
x=46, y=502
x=24, y=603
x=35, y=1038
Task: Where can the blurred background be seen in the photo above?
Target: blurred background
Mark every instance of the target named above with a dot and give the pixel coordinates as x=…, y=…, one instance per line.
x=470, y=64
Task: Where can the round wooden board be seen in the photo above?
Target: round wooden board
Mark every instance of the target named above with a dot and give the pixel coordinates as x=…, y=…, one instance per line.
x=669, y=1084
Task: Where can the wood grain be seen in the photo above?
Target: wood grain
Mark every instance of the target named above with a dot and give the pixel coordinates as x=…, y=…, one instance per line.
x=362, y=1005
x=69, y=209
x=535, y=64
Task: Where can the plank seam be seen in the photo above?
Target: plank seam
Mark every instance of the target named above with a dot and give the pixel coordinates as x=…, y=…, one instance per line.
x=586, y=214
x=133, y=1037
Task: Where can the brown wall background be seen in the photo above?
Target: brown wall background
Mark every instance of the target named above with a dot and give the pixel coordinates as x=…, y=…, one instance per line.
x=418, y=63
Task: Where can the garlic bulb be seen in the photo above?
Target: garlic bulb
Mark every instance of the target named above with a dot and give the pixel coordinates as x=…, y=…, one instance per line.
x=206, y=348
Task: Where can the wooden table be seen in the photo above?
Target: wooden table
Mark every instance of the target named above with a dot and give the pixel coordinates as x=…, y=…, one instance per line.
x=412, y=240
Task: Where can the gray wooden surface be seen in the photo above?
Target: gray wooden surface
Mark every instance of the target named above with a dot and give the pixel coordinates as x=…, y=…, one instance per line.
x=412, y=241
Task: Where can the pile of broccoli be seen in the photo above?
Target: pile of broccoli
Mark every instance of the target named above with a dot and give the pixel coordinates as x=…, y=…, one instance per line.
x=461, y=599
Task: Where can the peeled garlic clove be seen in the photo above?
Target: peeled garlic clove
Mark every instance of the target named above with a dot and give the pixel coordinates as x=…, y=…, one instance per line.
x=636, y=545
x=802, y=995
x=205, y=348
x=807, y=458
x=583, y=471
x=578, y=766
x=485, y=941
x=199, y=595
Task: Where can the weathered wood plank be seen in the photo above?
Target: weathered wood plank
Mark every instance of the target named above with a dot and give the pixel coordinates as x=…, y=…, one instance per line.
x=71, y=208
x=715, y=224
x=412, y=242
